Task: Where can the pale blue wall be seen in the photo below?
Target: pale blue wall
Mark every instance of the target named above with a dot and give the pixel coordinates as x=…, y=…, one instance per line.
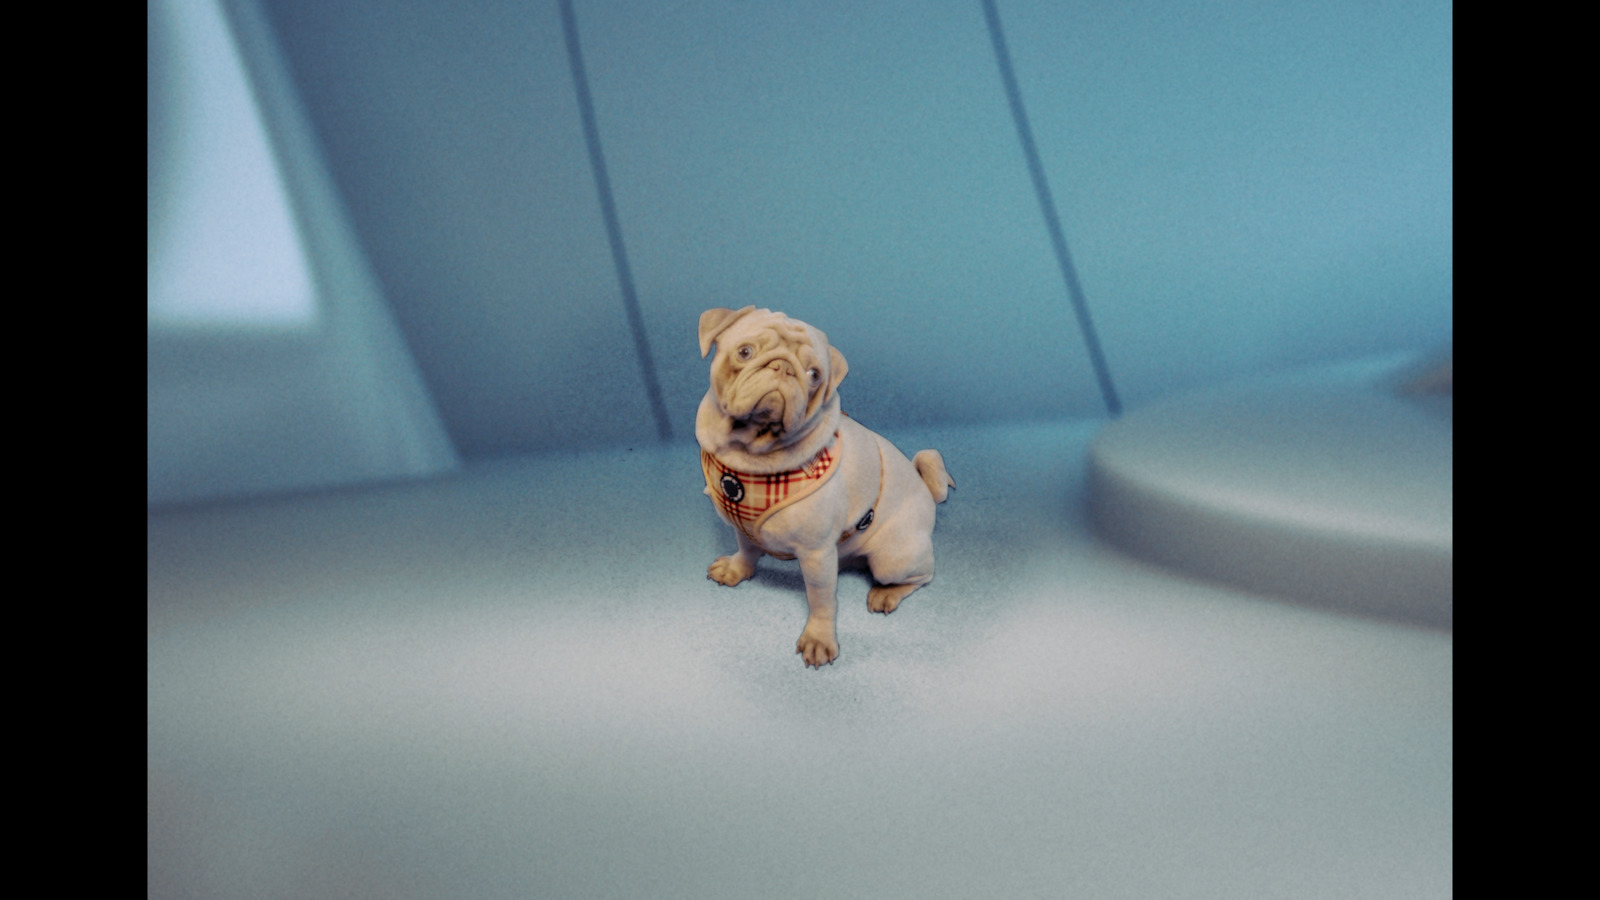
x=1245, y=186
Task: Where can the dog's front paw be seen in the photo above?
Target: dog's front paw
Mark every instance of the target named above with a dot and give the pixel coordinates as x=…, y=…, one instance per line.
x=817, y=645
x=729, y=570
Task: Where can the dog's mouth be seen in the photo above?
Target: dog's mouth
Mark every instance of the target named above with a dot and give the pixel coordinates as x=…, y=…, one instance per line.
x=765, y=419
x=773, y=430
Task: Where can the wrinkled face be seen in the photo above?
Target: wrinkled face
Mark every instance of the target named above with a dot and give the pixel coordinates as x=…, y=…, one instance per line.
x=771, y=375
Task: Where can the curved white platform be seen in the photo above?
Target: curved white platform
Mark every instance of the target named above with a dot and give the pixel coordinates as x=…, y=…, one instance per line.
x=1332, y=486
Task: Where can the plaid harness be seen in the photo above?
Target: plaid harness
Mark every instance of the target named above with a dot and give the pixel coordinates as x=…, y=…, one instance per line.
x=747, y=500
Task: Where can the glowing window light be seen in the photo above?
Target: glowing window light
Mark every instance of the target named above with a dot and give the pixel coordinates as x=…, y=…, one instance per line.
x=224, y=250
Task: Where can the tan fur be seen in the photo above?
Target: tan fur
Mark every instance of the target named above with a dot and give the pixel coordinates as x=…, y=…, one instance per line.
x=773, y=404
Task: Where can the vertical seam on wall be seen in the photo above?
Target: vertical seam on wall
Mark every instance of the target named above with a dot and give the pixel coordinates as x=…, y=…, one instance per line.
x=1052, y=221
x=608, y=210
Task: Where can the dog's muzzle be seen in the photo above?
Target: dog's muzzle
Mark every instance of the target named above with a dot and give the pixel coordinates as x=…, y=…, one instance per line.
x=768, y=412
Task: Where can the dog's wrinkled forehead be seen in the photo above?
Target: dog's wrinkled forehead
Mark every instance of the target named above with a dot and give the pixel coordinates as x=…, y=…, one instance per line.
x=727, y=328
x=790, y=331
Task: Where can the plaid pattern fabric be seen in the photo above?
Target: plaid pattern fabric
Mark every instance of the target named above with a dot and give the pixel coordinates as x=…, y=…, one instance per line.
x=747, y=500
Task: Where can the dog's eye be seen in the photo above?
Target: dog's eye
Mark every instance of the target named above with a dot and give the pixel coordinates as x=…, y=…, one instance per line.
x=745, y=352
x=814, y=373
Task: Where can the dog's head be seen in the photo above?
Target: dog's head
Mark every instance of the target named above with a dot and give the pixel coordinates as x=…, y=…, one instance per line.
x=772, y=375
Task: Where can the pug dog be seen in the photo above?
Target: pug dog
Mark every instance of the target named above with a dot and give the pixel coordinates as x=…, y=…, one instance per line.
x=799, y=479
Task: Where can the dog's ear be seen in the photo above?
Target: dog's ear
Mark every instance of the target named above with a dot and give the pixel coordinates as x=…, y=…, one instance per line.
x=714, y=322
x=836, y=369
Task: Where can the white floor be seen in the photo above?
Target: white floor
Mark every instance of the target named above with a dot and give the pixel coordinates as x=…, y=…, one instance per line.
x=518, y=683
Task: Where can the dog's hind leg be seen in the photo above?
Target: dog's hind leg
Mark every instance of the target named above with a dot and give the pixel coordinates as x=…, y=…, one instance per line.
x=895, y=576
x=885, y=598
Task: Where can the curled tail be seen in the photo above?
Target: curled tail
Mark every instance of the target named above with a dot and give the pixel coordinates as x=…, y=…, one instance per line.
x=930, y=465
